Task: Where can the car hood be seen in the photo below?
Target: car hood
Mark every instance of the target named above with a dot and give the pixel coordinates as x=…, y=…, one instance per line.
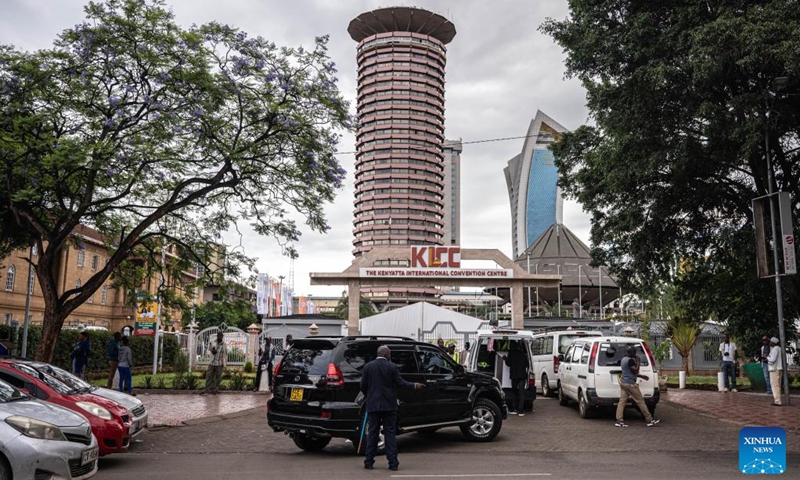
x=46, y=412
x=123, y=399
x=110, y=405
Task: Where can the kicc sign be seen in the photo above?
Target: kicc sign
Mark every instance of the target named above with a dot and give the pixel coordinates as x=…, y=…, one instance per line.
x=435, y=257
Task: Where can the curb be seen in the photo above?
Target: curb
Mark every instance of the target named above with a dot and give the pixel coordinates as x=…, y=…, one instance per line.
x=217, y=418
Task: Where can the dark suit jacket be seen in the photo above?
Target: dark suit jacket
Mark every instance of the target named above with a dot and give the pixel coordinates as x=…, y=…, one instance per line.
x=379, y=381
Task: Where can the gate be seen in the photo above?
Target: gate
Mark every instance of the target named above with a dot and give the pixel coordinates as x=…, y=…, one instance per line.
x=278, y=336
x=235, y=340
x=448, y=332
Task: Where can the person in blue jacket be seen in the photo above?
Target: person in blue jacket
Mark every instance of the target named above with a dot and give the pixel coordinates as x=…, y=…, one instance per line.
x=80, y=354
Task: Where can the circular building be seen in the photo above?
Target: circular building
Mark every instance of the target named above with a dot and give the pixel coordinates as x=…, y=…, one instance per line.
x=399, y=178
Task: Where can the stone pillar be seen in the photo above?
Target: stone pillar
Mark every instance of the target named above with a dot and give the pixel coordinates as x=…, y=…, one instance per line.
x=516, y=306
x=353, y=299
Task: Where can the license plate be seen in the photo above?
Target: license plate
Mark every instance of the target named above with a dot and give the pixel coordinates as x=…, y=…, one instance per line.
x=297, y=395
x=88, y=456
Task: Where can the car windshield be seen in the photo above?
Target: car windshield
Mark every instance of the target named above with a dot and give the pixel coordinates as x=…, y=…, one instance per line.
x=612, y=353
x=49, y=380
x=306, y=360
x=8, y=393
x=64, y=377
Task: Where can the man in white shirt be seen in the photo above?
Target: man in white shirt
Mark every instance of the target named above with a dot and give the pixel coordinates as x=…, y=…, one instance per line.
x=775, y=365
x=727, y=351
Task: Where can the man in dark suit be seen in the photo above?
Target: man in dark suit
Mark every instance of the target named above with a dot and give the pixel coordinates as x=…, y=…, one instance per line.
x=379, y=381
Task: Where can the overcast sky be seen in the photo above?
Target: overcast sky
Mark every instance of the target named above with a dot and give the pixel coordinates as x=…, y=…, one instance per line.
x=500, y=70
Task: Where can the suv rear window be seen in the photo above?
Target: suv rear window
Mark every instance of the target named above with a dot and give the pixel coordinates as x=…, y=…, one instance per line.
x=308, y=360
x=612, y=353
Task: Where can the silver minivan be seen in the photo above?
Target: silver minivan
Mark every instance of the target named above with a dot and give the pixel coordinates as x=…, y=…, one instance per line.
x=589, y=373
x=545, y=349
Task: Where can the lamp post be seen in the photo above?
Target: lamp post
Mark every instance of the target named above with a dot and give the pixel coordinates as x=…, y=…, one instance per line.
x=600, y=277
x=529, y=288
x=280, y=295
x=580, y=293
x=778, y=83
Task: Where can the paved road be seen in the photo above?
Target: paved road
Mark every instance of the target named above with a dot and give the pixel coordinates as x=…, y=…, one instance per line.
x=553, y=442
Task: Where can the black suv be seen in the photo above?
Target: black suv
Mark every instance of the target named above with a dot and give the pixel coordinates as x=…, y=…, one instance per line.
x=317, y=388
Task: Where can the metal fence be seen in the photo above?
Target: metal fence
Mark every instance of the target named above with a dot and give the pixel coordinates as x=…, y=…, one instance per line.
x=450, y=334
x=235, y=339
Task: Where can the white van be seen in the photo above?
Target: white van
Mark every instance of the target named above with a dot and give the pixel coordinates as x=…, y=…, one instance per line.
x=546, y=348
x=486, y=356
x=589, y=372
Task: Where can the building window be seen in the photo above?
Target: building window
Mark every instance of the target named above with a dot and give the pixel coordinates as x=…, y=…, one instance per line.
x=81, y=258
x=7, y=319
x=78, y=283
x=10, y=278
x=31, y=281
x=104, y=295
x=95, y=261
x=34, y=250
x=90, y=299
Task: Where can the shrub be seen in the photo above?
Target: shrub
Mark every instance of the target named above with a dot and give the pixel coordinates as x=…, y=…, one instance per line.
x=161, y=382
x=178, y=381
x=147, y=382
x=192, y=381
x=238, y=381
x=248, y=367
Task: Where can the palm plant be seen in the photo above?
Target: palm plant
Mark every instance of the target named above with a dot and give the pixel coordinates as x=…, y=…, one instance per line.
x=683, y=334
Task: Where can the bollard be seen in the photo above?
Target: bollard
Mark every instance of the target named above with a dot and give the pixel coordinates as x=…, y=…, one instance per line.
x=681, y=379
x=720, y=381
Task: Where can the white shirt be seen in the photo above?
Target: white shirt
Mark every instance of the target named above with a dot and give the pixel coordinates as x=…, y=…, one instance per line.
x=729, y=347
x=775, y=359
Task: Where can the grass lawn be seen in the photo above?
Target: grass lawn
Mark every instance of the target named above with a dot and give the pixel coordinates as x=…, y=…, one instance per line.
x=167, y=380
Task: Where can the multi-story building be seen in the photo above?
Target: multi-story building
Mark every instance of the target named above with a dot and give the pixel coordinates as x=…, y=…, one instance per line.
x=532, y=181
x=111, y=306
x=452, y=192
x=400, y=166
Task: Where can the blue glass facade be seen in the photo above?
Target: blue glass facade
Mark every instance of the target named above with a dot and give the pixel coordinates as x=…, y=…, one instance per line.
x=540, y=206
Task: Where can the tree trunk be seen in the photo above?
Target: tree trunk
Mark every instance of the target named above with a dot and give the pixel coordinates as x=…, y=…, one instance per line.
x=51, y=328
x=685, y=362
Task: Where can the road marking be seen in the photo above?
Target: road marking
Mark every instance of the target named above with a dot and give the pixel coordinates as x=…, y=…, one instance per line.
x=475, y=475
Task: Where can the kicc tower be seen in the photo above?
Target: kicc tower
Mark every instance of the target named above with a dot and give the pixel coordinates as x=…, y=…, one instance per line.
x=399, y=180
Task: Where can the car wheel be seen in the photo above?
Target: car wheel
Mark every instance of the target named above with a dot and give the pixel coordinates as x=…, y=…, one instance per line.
x=309, y=443
x=546, y=390
x=562, y=399
x=5, y=469
x=583, y=406
x=486, y=421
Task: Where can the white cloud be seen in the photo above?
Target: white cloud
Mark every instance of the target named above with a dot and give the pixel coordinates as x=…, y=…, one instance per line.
x=500, y=70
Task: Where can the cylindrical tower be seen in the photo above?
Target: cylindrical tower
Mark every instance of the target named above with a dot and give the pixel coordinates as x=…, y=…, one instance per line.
x=399, y=180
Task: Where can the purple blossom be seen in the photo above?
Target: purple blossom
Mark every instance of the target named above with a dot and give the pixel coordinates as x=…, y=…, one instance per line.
x=130, y=89
x=198, y=111
x=113, y=101
x=110, y=122
x=110, y=171
x=81, y=246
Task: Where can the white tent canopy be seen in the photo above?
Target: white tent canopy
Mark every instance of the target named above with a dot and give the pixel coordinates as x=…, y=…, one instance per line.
x=419, y=318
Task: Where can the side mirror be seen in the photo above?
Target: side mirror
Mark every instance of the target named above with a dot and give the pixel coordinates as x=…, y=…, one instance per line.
x=560, y=357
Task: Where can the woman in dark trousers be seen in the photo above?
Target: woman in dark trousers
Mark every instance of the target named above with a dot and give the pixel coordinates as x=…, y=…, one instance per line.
x=517, y=361
x=265, y=363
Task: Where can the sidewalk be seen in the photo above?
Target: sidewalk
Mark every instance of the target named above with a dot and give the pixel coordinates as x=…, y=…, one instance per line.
x=173, y=409
x=740, y=408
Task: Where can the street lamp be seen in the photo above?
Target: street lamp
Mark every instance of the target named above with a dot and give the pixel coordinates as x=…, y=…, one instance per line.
x=778, y=83
x=280, y=295
x=580, y=293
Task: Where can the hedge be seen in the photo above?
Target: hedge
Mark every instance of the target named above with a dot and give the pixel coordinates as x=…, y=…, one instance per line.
x=141, y=347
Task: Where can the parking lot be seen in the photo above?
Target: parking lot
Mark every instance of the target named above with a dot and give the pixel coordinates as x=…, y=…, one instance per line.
x=554, y=441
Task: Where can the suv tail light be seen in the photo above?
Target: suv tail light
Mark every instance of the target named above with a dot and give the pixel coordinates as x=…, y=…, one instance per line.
x=334, y=379
x=649, y=355
x=531, y=381
x=555, y=364
x=593, y=357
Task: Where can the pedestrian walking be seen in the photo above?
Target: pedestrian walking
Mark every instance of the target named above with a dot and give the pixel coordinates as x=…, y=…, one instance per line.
x=765, y=348
x=628, y=388
x=517, y=361
x=265, y=363
x=113, y=358
x=219, y=357
x=379, y=381
x=125, y=365
x=80, y=355
x=775, y=362
x=727, y=350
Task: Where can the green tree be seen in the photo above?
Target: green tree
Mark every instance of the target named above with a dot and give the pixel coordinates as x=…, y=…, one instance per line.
x=365, y=308
x=146, y=130
x=682, y=98
x=237, y=312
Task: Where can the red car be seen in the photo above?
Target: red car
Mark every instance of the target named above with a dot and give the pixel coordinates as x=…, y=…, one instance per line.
x=111, y=422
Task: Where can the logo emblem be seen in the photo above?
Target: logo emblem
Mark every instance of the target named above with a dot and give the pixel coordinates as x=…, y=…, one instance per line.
x=762, y=450
x=297, y=378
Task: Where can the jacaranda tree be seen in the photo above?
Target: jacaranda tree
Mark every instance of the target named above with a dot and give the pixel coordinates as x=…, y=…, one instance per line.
x=151, y=132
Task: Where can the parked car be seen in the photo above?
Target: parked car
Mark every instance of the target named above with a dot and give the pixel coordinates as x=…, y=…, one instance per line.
x=546, y=348
x=317, y=384
x=487, y=352
x=589, y=371
x=133, y=404
x=42, y=440
x=111, y=422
